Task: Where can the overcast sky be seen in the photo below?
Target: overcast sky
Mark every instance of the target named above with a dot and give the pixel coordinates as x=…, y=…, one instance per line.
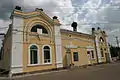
x=88, y=13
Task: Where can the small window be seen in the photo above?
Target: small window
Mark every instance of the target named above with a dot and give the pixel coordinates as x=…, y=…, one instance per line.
x=104, y=49
x=1, y=53
x=39, y=28
x=69, y=35
x=33, y=54
x=102, y=54
x=88, y=52
x=101, y=39
x=92, y=54
x=89, y=55
x=47, y=58
x=75, y=56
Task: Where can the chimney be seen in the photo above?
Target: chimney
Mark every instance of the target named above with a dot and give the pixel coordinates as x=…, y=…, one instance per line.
x=55, y=17
x=18, y=8
x=37, y=9
x=56, y=21
x=74, y=25
x=98, y=28
x=93, y=30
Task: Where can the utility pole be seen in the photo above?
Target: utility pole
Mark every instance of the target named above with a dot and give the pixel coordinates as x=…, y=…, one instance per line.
x=117, y=41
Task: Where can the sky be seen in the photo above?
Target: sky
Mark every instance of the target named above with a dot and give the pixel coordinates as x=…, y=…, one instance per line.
x=87, y=13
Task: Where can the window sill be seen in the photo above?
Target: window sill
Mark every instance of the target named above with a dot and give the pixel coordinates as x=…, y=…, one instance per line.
x=46, y=63
x=76, y=61
x=102, y=57
x=33, y=64
x=93, y=59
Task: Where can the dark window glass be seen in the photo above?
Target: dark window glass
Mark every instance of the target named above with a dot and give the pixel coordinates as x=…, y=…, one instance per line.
x=101, y=39
x=102, y=54
x=105, y=49
x=33, y=55
x=34, y=29
x=75, y=56
x=47, y=54
x=1, y=53
x=88, y=52
x=92, y=54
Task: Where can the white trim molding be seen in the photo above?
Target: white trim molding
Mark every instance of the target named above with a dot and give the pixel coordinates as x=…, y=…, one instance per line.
x=43, y=54
x=17, y=48
x=38, y=55
x=58, y=47
x=91, y=53
x=16, y=70
x=98, y=49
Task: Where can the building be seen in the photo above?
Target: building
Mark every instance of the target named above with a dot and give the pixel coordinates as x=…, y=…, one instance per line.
x=1, y=41
x=1, y=47
x=34, y=42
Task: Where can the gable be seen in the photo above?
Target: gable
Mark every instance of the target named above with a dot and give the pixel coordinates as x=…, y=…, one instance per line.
x=35, y=14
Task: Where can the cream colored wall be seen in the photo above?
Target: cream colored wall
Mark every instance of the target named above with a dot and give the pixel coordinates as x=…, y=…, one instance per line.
x=40, y=40
x=83, y=42
x=42, y=66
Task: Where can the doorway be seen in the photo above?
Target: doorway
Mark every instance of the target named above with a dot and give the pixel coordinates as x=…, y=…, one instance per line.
x=107, y=57
x=68, y=59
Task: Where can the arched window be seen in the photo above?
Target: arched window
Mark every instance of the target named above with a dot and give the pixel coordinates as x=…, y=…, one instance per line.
x=47, y=54
x=102, y=54
x=101, y=39
x=39, y=29
x=33, y=54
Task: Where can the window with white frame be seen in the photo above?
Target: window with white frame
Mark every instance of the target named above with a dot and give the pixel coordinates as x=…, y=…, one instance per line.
x=92, y=54
x=102, y=53
x=39, y=29
x=75, y=56
x=47, y=54
x=101, y=39
x=88, y=53
x=33, y=54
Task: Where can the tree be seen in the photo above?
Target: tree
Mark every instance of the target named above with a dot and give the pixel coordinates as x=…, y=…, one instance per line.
x=114, y=51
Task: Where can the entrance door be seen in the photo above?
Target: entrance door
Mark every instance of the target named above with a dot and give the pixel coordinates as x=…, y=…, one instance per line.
x=68, y=59
x=89, y=57
x=107, y=57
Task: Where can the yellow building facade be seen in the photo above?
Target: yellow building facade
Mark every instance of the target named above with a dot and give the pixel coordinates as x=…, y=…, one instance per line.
x=37, y=42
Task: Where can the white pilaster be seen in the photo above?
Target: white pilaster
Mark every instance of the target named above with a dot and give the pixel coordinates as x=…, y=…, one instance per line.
x=58, y=45
x=17, y=45
x=98, y=49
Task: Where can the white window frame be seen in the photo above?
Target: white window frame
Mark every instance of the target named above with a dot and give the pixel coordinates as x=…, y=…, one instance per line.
x=102, y=53
x=77, y=56
x=91, y=53
x=43, y=54
x=38, y=55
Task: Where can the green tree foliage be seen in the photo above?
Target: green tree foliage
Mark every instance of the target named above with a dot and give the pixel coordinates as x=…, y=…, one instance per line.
x=115, y=51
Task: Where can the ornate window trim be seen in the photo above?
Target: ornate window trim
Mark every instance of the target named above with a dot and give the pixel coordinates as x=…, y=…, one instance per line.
x=91, y=54
x=43, y=54
x=40, y=29
x=38, y=56
x=75, y=56
x=102, y=52
x=101, y=39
